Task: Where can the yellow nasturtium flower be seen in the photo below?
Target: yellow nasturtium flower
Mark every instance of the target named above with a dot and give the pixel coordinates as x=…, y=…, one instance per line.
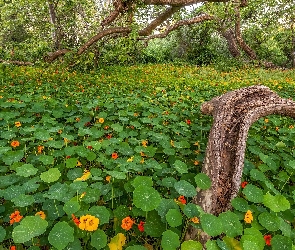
x=41, y=214
x=85, y=176
x=117, y=242
x=88, y=222
x=248, y=217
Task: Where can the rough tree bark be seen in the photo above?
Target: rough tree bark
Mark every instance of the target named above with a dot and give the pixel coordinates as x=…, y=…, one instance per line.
x=229, y=36
x=233, y=113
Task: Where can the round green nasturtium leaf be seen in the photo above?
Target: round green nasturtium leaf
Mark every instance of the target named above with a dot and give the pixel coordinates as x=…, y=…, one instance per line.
x=203, y=181
x=165, y=205
x=99, y=239
x=174, y=217
x=168, y=181
x=253, y=193
x=61, y=235
x=2, y=233
x=75, y=245
x=100, y=212
x=250, y=244
x=30, y=227
x=185, y=188
x=136, y=247
x=191, y=245
x=142, y=180
x=276, y=203
x=71, y=207
x=71, y=162
x=146, y=198
x=191, y=210
x=117, y=175
x=23, y=200
x=232, y=226
x=46, y=159
x=26, y=170
x=154, y=226
x=170, y=240
x=92, y=195
x=270, y=221
x=252, y=238
x=180, y=166
x=91, y=156
x=42, y=135
x=169, y=151
x=279, y=242
x=12, y=156
x=51, y=175
x=211, y=224
x=240, y=204
x=211, y=245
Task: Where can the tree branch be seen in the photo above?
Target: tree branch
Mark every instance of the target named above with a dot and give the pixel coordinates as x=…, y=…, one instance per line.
x=19, y=63
x=179, y=2
x=102, y=34
x=160, y=19
x=52, y=56
x=119, y=8
x=198, y=19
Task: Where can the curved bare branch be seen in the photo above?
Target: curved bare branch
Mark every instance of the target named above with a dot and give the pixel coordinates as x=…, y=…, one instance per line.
x=198, y=19
x=102, y=34
x=19, y=63
x=52, y=56
x=160, y=19
x=178, y=2
x=119, y=8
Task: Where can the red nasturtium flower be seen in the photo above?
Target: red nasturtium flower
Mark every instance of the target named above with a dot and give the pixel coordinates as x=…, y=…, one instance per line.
x=182, y=199
x=89, y=147
x=188, y=122
x=15, y=217
x=267, y=239
x=15, y=144
x=244, y=184
x=141, y=226
x=127, y=223
x=75, y=220
x=115, y=156
x=109, y=136
x=13, y=248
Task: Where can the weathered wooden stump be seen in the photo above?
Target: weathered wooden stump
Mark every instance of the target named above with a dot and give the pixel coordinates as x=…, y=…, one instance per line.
x=233, y=113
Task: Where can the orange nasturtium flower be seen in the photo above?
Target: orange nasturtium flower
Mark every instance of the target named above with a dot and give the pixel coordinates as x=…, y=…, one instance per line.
x=267, y=239
x=127, y=223
x=41, y=214
x=12, y=248
x=115, y=156
x=195, y=220
x=182, y=199
x=108, y=178
x=17, y=124
x=15, y=217
x=88, y=222
x=40, y=148
x=248, y=217
x=15, y=144
x=144, y=143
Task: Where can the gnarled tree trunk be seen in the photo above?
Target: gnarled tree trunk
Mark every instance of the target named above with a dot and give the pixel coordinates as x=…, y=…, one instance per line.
x=233, y=113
